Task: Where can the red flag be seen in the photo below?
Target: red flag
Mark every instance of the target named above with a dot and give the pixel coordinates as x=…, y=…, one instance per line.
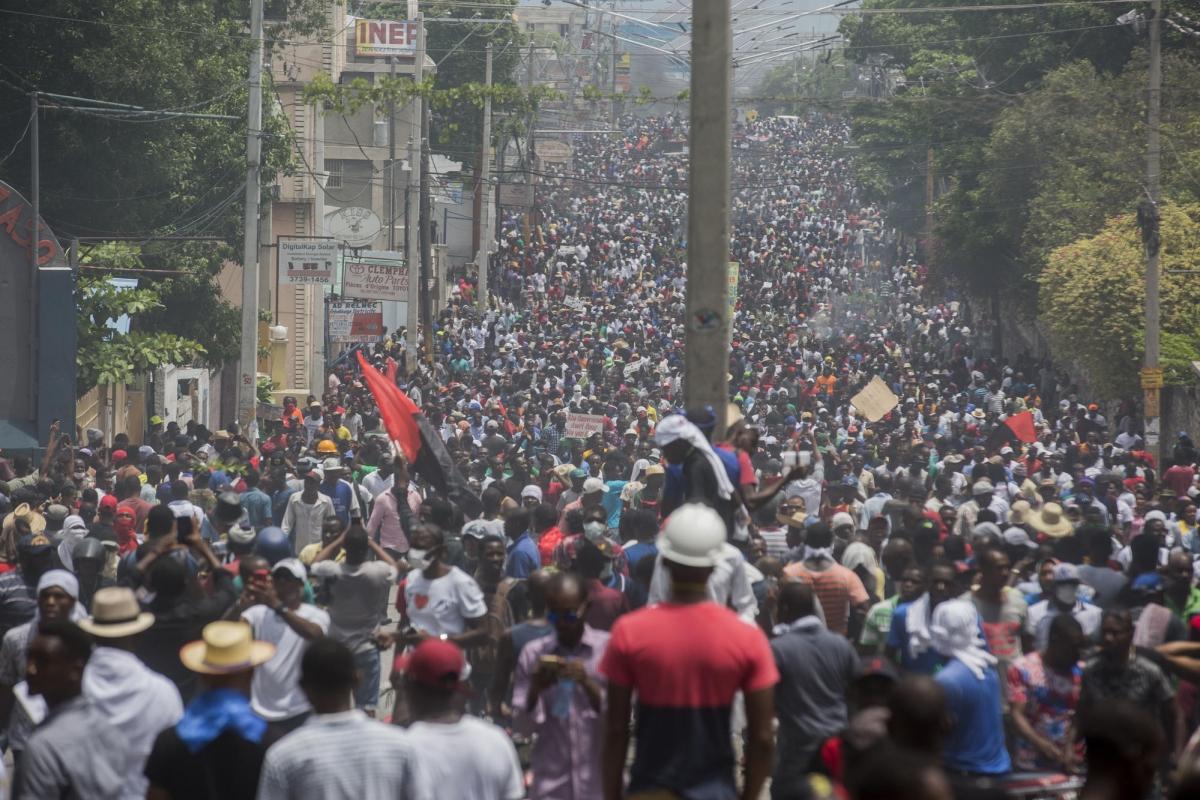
x=1022, y=426
x=391, y=368
x=396, y=410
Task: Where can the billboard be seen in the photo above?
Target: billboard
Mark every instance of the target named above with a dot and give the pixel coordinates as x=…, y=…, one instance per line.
x=377, y=275
x=304, y=261
x=355, y=321
x=516, y=195
x=380, y=37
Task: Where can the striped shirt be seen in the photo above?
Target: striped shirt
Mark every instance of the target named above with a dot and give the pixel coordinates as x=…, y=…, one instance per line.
x=776, y=541
x=343, y=756
x=838, y=588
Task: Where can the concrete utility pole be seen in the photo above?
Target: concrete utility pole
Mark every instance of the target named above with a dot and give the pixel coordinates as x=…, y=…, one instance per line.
x=413, y=254
x=247, y=392
x=1152, y=374
x=706, y=356
x=391, y=186
x=485, y=190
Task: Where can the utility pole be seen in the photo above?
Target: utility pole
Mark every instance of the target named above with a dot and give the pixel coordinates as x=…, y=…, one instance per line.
x=485, y=189
x=35, y=199
x=612, y=78
x=247, y=393
x=426, y=239
x=413, y=254
x=529, y=121
x=392, y=164
x=1148, y=218
x=706, y=354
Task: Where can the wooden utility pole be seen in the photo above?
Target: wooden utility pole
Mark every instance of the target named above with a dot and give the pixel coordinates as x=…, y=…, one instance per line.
x=1148, y=218
x=706, y=357
x=529, y=122
x=485, y=189
x=412, y=256
x=426, y=239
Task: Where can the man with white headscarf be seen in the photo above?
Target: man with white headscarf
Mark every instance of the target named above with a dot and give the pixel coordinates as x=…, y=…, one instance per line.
x=975, y=744
x=696, y=473
x=57, y=596
x=702, y=478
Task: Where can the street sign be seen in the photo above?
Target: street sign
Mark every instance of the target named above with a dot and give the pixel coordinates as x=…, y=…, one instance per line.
x=377, y=275
x=581, y=426
x=355, y=321
x=304, y=261
x=516, y=195
x=1152, y=377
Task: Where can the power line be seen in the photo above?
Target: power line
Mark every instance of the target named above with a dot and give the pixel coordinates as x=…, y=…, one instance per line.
x=20, y=139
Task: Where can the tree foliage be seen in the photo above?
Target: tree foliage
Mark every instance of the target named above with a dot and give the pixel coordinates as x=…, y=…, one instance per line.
x=149, y=179
x=797, y=85
x=104, y=354
x=459, y=49
x=1097, y=284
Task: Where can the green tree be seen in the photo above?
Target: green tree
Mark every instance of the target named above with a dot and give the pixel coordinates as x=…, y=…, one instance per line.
x=152, y=179
x=104, y=354
x=798, y=84
x=458, y=48
x=1097, y=284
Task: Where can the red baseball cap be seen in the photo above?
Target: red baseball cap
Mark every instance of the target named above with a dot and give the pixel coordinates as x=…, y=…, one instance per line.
x=108, y=501
x=436, y=663
x=119, y=455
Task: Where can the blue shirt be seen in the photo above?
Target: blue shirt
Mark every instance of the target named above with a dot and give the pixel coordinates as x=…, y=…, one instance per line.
x=928, y=662
x=637, y=552
x=976, y=739
x=612, y=502
x=523, y=557
x=258, y=507
x=339, y=495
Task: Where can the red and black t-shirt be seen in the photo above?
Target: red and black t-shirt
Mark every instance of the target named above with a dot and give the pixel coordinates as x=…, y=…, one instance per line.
x=686, y=662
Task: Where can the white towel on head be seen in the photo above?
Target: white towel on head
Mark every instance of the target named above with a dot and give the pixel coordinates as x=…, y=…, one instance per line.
x=677, y=426
x=955, y=634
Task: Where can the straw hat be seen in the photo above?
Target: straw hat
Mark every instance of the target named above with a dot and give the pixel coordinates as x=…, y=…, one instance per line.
x=116, y=614
x=37, y=523
x=1051, y=521
x=226, y=647
x=1020, y=511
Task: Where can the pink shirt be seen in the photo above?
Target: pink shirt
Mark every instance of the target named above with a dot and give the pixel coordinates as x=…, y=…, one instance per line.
x=384, y=523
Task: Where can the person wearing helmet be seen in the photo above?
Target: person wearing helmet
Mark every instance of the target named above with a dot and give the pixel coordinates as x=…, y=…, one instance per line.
x=686, y=660
x=273, y=544
x=88, y=559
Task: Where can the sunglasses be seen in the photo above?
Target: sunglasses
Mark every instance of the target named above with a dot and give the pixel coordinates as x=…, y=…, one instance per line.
x=567, y=617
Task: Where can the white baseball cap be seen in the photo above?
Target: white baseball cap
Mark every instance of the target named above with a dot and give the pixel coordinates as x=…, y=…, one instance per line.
x=593, y=485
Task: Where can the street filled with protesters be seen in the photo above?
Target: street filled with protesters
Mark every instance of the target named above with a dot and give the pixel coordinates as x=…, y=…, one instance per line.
x=518, y=565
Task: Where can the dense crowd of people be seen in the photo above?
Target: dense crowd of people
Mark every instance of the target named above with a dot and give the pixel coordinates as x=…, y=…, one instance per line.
x=565, y=584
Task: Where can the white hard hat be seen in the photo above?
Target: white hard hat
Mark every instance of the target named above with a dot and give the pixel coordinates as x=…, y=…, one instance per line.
x=693, y=536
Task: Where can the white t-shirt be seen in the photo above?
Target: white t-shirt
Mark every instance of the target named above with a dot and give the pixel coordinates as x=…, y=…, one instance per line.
x=443, y=605
x=275, y=692
x=466, y=760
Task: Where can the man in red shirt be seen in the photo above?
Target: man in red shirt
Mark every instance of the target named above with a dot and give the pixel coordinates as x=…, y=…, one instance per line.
x=546, y=533
x=686, y=659
x=1180, y=478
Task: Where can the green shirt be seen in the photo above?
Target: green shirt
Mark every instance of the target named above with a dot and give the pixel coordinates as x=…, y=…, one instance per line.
x=878, y=623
